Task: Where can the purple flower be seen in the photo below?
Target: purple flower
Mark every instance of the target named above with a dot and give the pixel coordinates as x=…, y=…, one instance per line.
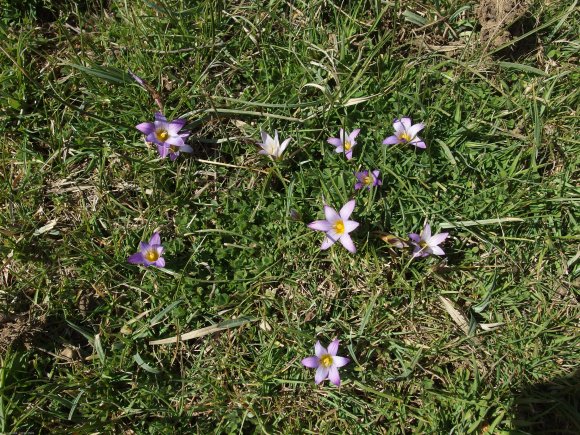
x=366, y=179
x=271, y=146
x=345, y=144
x=337, y=226
x=426, y=244
x=406, y=133
x=166, y=136
x=150, y=253
x=326, y=363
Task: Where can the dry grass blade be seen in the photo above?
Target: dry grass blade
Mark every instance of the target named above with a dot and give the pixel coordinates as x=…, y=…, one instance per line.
x=204, y=331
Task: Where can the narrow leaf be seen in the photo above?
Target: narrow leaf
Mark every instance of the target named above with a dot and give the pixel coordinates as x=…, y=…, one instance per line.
x=137, y=358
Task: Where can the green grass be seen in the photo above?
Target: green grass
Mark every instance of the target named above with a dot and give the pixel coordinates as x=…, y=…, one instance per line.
x=502, y=143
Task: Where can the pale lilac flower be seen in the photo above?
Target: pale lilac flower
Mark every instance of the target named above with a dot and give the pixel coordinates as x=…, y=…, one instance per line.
x=326, y=363
x=271, y=146
x=337, y=226
x=166, y=135
x=150, y=253
x=345, y=142
x=406, y=133
x=426, y=244
x=366, y=179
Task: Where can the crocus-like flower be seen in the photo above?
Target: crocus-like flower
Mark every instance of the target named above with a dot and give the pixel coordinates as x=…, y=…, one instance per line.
x=426, y=244
x=366, y=179
x=406, y=133
x=393, y=240
x=337, y=226
x=150, y=253
x=166, y=135
x=272, y=147
x=345, y=142
x=326, y=363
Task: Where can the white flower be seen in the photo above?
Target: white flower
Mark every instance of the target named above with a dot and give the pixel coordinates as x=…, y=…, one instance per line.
x=272, y=147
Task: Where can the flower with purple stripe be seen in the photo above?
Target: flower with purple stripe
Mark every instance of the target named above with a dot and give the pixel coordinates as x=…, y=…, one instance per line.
x=150, y=253
x=165, y=134
x=425, y=244
x=337, y=226
x=345, y=142
x=326, y=362
x=367, y=179
x=406, y=132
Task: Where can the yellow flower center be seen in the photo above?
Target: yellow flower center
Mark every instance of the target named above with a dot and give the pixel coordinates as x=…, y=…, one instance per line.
x=405, y=136
x=151, y=255
x=423, y=244
x=347, y=145
x=368, y=180
x=326, y=360
x=161, y=135
x=338, y=227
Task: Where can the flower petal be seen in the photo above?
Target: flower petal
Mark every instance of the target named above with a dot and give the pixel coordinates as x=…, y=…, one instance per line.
x=415, y=237
x=437, y=250
x=334, y=376
x=352, y=136
x=321, y=374
x=159, y=117
x=406, y=123
x=173, y=155
x=340, y=361
x=327, y=243
x=163, y=150
x=146, y=127
x=414, y=129
x=350, y=226
x=333, y=347
x=319, y=350
x=283, y=146
x=155, y=239
x=136, y=258
x=312, y=362
x=175, y=140
x=347, y=209
x=348, y=243
x=320, y=225
x=144, y=247
x=174, y=126
x=335, y=141
x=426, y=233
x=358, y=185
x=331, y=214
x=186, y=149
x=391, y=140
x=418, y=143
x=348, y=154
x=437, y=239
x=160, y=262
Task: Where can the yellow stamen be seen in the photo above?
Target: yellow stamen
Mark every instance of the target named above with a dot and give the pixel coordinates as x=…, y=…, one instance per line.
x=338, y=227
x=368, y=180
x=423, y=244
x=326, y=360
x=161, y=135
x=151, y=255
x=405, y=136
x=347, y=145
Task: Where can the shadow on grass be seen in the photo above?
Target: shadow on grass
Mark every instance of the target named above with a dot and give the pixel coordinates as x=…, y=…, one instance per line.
x=549, y=408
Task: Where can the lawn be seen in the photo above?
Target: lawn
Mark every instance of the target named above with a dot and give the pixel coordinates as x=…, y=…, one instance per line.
x=481, y=336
